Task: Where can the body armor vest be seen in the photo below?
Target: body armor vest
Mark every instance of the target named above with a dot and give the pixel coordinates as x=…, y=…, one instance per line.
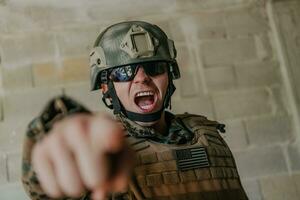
x=191, y=163
x=202, y=169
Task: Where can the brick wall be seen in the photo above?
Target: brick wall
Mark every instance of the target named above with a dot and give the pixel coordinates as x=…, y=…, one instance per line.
x=231, y=72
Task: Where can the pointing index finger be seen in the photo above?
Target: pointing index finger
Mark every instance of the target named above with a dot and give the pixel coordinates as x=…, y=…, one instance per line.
x=106, y=134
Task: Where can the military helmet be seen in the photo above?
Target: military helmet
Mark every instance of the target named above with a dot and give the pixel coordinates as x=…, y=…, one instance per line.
x=127, y=43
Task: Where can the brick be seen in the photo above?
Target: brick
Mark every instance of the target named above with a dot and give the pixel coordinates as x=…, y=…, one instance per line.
x=3, y=171
x=235, y=135
x=52, y=16
x=286, y=7
x=278, y=93
x=189, y=84
x=3, y=3
x=210, y=25
x=220, y=78
x=27, y=104
x=245, y=21
x=14, y=167
x=46, y=74
x=269, y=129
x=202, y=106
x=279, y=187
x=75, y=70
x=13, y=191
x=258, y=162
x=228, y=51
x=77, y=41
x=201, y=25
x=255, y=74
x=82, y=93
x=1, y=69
x=1, y=108
x=263, y=46
x=27, y=48
x=185, y=59
x=244, y=103
x=17, y=78
x=15, y=20
x=112, y=10
x=294, y=156
x=253, y=190
x=12, y=134
x=296, y=179
x=212, y=4
x=3, y=23
x=177, y=32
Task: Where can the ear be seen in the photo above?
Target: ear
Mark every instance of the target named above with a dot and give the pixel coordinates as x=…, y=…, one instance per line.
x=104, y=88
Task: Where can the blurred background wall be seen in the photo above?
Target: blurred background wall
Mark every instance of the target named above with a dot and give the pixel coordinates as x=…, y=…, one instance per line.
x=239, y=61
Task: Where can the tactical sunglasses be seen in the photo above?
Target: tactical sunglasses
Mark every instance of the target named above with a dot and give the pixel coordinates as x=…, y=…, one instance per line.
x=128, y=72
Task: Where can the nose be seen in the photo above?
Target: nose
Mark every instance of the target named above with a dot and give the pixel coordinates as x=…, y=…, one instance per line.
x=141, y=76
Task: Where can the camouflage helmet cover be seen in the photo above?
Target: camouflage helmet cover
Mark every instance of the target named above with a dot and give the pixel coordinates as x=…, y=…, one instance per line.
x=130, y=43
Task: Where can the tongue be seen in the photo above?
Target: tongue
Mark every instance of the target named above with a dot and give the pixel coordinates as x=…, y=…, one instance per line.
x=144, y=101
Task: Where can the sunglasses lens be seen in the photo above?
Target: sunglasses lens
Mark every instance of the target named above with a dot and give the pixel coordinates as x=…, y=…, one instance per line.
x=121, y=74
x=156, y=68
x=127, y=73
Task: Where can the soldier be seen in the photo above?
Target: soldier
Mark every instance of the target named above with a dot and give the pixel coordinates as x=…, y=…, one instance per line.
x=145, y=152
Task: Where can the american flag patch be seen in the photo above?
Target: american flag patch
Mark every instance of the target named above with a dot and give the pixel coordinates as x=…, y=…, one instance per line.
x=191, y=158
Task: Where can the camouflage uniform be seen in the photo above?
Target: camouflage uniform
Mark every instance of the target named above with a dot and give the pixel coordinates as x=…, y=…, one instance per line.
x=192, y=161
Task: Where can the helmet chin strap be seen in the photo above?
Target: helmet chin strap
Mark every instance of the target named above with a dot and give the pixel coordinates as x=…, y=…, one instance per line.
x=118, y=108
x=152, y=117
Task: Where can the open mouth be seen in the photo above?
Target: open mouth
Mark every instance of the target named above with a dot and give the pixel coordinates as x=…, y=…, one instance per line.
x=145, y=100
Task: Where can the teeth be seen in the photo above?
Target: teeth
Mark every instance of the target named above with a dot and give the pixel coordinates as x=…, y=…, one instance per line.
x=146, y=107
x=147, y=93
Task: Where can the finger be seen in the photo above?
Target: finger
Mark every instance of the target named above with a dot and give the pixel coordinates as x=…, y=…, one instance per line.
x=76, y=136
x=106, y=134
x=98, y=194
x=45, y=172
x=66, y=171
x=107, y=139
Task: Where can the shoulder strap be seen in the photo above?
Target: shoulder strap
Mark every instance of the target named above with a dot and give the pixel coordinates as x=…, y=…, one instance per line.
x=192, y=121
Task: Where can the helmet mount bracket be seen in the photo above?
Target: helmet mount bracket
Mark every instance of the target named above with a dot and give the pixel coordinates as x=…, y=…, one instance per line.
x=139, y=43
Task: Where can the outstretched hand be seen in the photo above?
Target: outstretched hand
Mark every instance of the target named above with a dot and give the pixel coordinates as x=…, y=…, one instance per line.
x=83, y=152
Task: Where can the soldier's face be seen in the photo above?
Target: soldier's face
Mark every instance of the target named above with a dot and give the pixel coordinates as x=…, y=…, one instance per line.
x=144, y=94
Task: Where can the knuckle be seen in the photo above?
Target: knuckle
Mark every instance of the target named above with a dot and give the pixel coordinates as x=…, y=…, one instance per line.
x=53, y=140
x=55, y=193
x=77, y=126
x=75, y=191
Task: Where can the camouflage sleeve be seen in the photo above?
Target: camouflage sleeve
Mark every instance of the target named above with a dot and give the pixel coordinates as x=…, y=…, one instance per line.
x=56, y=109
